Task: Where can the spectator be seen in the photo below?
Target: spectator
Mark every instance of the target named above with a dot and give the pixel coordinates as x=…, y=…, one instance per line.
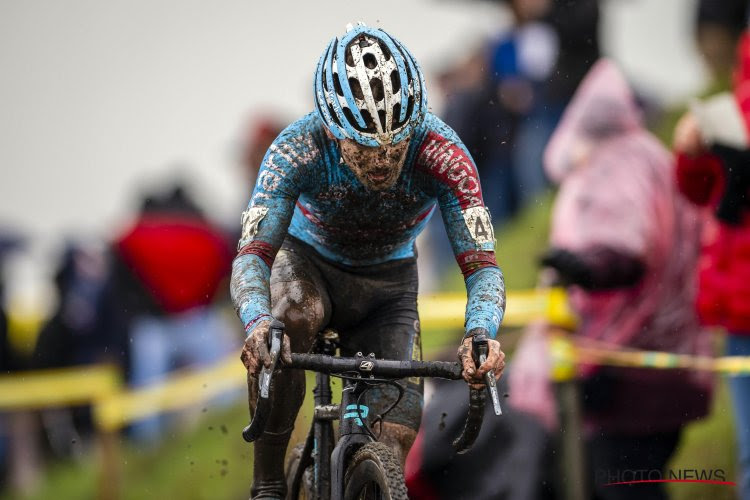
x=507, y=115
x=624, y=243
x=713, y=153
x=82, y=330
x=169, y=266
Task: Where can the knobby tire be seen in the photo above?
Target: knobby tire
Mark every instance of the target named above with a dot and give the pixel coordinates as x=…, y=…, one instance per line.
x=374, y=473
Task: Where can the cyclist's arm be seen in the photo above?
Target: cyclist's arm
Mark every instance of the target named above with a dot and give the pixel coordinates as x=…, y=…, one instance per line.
x=265, y=223
x=469, y=227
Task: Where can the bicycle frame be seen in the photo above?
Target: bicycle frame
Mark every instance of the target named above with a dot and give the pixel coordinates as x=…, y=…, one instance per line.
x=330, y=466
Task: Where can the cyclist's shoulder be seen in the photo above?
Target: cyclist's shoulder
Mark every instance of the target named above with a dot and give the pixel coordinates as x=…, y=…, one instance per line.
x=440, y=152
x=302, y=140
x=434, y=130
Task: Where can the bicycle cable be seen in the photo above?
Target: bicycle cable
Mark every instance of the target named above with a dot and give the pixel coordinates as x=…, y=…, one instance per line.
x=372, y=383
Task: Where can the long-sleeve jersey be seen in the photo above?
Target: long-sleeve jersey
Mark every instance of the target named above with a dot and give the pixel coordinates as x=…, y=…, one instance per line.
x=305, y=189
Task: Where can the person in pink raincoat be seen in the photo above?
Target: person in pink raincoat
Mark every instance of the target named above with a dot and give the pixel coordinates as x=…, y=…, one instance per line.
x=625, y=244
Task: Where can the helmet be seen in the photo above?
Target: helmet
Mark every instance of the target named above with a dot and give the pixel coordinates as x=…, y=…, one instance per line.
x=369, y=88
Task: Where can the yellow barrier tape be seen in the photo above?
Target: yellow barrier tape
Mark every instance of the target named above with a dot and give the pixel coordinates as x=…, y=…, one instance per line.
x=179, y=391
x=59, y=387
x=565, y=353
x=447, y=311
x=114, y=409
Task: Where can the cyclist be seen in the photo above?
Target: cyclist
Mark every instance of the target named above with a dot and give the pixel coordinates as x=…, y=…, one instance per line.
x=328, y=236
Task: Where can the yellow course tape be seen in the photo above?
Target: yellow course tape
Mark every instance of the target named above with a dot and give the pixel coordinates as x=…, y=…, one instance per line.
x=114, y=407
x=447, y=311
x=59, y=387
x=566, y=354
x=181, y=390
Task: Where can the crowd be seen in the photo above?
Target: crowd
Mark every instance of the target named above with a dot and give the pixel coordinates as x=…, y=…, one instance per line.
x=151, y=298
x=652, y=244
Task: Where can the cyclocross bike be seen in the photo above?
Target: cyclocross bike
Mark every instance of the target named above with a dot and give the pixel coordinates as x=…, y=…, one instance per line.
x=357, y=466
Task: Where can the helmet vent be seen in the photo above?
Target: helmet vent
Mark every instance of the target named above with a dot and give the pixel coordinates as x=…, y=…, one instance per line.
x=349, y=115
x=409, y=106
x=384, y=49
x=333, y=115
x=381, y=116
x=368, y=120
x=370, y=61
x=395, y=82
x=376, y=84
x=336, y=85
x=325, y=78
x=356, y=88
x=396, y=113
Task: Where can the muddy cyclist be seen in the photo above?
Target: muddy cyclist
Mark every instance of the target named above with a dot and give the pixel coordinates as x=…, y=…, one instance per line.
x=328, y=236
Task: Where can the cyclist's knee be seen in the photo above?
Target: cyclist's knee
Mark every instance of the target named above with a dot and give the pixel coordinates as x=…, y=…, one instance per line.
x=302, y=308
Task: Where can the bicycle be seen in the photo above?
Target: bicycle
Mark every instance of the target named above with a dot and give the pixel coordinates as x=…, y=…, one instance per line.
x=357, y=466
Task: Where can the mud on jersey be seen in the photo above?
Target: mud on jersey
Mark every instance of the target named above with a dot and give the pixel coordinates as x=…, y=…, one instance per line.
x=304, y=188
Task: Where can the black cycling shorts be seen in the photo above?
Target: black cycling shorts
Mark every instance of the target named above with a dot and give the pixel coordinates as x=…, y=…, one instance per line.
x=374, y=310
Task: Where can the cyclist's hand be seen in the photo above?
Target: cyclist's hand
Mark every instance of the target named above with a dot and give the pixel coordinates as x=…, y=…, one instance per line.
x=255, y=353
x=495, y=362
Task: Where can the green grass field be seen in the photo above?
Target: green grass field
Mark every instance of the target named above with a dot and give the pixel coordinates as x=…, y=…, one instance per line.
x=211, y=461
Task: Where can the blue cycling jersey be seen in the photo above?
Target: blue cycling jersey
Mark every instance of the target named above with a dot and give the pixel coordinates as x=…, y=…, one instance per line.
x=304, y=189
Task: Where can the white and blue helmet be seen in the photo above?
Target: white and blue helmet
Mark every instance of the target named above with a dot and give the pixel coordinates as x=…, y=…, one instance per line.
x=369, y=88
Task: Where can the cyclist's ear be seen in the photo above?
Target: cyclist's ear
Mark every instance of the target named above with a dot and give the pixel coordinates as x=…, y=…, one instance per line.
x=329, y=134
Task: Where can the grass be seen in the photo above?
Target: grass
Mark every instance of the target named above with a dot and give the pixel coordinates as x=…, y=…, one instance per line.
x=210, y=461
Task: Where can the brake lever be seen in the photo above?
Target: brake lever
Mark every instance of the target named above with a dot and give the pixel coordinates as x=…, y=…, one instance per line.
x=263, y=406
x=480, y=350
x=275, y=337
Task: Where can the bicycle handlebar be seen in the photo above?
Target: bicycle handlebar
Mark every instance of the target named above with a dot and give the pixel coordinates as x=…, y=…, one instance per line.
x=369, y=366
x=383, y=368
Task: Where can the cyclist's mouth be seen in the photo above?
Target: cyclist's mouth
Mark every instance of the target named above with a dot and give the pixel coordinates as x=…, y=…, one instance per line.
x=378, y=176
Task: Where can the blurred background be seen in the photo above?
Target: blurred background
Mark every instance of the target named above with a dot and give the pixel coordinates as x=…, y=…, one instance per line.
x=133, y=125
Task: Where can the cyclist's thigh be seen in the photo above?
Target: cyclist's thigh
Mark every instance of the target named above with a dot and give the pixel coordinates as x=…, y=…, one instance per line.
x=392, y=332
x=299, y=296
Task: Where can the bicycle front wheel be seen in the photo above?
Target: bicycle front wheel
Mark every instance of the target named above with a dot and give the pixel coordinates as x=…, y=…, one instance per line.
x=374, y=473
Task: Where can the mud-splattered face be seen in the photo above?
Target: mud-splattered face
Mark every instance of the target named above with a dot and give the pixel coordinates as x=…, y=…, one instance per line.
x=375, y=167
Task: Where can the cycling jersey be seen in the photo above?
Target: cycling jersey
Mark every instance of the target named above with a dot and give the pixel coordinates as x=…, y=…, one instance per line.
x=306, y=190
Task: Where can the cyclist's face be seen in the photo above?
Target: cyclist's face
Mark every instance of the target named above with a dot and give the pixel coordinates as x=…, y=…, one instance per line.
x=376, y=167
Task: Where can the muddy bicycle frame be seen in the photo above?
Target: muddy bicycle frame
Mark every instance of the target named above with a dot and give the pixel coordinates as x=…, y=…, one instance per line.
x=359, y=373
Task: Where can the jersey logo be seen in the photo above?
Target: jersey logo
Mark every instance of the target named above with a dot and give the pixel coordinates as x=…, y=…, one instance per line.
x=452, y=166
x=479, y=224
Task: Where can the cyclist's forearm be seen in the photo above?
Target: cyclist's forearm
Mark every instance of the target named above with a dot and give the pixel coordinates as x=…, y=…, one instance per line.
x=250, y=289
x=485, y=305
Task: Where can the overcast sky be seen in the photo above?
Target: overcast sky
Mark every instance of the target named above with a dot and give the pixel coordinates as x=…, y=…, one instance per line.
x=98, y=97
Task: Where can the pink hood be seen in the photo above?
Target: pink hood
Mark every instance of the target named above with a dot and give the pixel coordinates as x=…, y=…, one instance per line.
x=602, y=107
x=617, y=190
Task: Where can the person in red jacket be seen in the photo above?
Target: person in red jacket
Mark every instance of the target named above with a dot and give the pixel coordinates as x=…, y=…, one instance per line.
x=170, y=266
x=713, y=170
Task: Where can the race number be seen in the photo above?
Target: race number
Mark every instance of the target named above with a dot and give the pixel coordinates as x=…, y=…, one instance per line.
x=479, y=225
x=250, y=220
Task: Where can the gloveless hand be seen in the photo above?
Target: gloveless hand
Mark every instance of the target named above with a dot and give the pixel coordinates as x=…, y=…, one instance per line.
x=495, y=362
x=255, y=353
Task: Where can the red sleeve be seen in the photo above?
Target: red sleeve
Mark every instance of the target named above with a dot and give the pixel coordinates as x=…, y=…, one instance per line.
x=700, y=178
